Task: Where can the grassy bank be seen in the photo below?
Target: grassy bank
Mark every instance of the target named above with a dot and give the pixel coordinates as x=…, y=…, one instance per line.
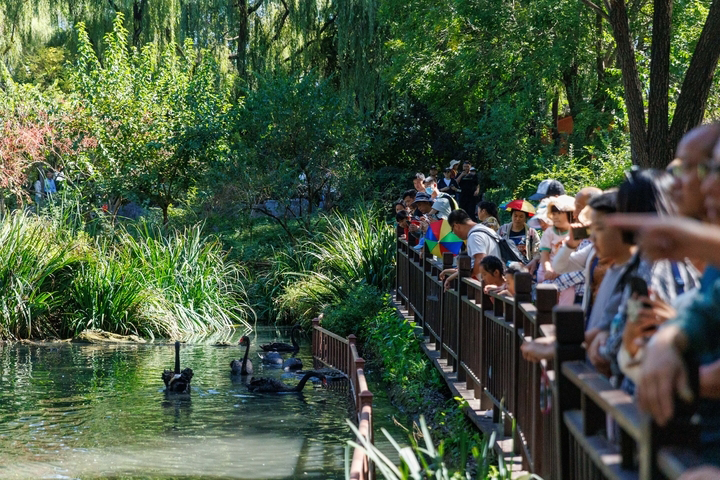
x=56, y=280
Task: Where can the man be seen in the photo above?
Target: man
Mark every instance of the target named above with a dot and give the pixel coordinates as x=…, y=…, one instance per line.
x=418, y=182
x=548, y=188
x=443, y=203
x=481, y=241
x=50, y=187
x=448, y=184
x=468, y=183
x=583, y=197
x=693, y=150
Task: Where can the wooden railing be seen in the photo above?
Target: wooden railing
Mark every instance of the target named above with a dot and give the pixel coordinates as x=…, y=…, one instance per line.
x=568, y=425
x=341, y=353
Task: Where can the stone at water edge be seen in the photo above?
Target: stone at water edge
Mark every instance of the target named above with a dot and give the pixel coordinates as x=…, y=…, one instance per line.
x=101, y=336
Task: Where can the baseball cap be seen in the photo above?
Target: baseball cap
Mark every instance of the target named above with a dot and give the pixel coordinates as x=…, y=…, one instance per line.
x=547, y=188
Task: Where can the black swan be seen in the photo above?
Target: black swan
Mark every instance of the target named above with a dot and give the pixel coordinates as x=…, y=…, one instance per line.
x=244, y=366
x=270, y=385
x=284, y=347
x=292, y=363
x=177, y=381
x=273, y=359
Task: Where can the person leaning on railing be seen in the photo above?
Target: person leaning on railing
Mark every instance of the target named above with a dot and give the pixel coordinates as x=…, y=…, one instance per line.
x=481, y=241
x=695, y=332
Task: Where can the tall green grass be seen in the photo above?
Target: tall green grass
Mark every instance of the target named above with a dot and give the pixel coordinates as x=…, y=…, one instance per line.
x=56, y=280
x=204, y=290
x=36, y=266
x=355, y=249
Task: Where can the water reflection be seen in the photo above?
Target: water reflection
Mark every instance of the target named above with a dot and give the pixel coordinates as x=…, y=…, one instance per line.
x=72, y=411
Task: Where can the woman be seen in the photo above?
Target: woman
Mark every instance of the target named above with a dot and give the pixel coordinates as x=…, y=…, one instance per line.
x=525, y=237
x=487, y=213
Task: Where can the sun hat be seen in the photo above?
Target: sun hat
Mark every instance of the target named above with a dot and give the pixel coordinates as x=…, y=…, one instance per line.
x=454, y=162
x=422, y=197
x=564, y=203
x=548, y=188
x=540, y=214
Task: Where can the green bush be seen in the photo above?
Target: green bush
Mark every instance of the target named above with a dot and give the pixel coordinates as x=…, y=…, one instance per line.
x=347, y=316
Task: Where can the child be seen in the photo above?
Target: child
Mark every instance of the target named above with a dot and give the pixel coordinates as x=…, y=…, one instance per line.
x=560, y=211
x=491, y=272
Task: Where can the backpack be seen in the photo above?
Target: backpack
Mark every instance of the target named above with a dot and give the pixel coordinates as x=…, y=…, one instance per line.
x=453, y=203
x=508, y=250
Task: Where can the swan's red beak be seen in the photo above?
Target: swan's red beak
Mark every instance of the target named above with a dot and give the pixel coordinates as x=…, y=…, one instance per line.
x=324, y=382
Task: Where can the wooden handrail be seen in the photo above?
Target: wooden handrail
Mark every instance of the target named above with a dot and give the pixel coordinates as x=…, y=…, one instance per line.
x=479, y=336
x=347, y=359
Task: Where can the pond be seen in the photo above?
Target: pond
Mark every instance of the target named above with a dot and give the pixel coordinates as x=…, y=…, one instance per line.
x=87, y=411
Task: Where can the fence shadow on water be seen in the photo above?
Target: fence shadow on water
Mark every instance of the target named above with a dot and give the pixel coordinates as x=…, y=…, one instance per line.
x=569, y=422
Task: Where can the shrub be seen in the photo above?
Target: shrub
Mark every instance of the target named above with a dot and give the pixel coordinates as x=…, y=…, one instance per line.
x=347, y=316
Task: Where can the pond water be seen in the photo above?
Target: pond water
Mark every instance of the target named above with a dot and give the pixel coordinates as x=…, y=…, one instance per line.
x=84, y=411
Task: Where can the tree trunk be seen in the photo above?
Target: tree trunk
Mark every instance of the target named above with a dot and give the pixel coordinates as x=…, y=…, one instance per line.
x=691, y=103
x=242, y=39
x=659, y=153
x=138, y=11
x=631, y=82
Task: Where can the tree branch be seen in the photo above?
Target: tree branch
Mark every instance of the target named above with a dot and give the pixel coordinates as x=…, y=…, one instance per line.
x=113, y=6
x=597, y=9
x=325, y=26
x=281, y=23
x=257, y=5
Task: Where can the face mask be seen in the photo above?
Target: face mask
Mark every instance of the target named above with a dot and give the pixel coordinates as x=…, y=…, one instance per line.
x=429, y=190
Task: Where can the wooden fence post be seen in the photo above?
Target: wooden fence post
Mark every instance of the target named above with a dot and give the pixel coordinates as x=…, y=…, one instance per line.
x=315, y=338
x=569, y=334
x=359, y=365
x=352, y=339
x=447, y=263
x=464, y=271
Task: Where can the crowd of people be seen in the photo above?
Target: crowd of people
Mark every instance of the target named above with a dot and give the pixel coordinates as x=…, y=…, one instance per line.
x=641, y=259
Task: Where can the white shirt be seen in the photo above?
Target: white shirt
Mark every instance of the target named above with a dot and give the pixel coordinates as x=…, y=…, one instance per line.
x=484, y=241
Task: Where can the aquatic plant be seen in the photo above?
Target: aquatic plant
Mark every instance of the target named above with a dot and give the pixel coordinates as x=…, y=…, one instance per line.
x=355, y=249
x=202, y=289
x=36, y=264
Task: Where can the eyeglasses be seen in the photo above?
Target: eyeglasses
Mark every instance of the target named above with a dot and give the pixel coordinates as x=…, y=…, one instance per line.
x=703, y=169
x=707, y=168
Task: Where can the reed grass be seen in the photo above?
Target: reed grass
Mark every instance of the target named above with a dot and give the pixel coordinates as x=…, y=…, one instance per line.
x=36, y=265
x=356, y=249
x=56, y=280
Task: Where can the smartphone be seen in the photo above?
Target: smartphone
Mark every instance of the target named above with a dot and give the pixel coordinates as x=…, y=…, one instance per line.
x=580, y=231
x=637, y=288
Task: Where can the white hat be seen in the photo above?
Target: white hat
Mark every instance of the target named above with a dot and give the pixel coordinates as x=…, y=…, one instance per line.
x=454, y=162
x=564, y=203
x=540, y=214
